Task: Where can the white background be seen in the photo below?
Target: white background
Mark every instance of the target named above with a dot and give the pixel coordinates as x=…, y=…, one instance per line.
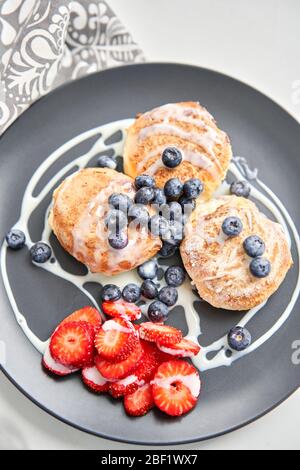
x=257, y=41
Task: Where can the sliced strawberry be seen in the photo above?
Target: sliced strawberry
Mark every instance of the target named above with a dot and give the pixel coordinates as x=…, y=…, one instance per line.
x=72, y=344
x=186, y=348
x=119, y=370
x=176, y=387
x=93, y=380
x=115, y=340
x=88, y=314
x=55, y=367
x=120, y=308
x=159, y=333
x=139, y=402
x=125, y=386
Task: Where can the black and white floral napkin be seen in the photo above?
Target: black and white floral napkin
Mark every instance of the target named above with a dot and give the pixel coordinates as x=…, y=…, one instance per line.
x=44, y=43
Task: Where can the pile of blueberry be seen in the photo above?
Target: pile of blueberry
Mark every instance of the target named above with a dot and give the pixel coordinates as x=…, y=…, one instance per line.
x=40, y=252
x=172, y=206
x=254, y=246
x=164, y=298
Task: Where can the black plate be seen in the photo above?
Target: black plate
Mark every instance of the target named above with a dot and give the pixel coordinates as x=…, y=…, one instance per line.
x=261, y=131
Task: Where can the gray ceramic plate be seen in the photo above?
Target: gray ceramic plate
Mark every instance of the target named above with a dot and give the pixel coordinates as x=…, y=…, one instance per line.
x=261, y=131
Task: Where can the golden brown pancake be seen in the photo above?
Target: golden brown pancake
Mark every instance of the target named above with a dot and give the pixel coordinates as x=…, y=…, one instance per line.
x=219, y=266
x=80, y=205
x=188, y=126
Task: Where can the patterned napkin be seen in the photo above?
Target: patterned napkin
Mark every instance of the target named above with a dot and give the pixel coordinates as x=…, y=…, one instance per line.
x=44, y=43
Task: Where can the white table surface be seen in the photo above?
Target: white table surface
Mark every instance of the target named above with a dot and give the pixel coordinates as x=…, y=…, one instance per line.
x=258, y=42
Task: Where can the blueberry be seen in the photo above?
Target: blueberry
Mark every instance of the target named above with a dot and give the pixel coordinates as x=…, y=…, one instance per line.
x=173, y=189
x=139, y=214
x=254, y=246
x=131, y=293
x=188, y=205
x=148, y=270
x=110, y=293
x=158, y=226
x=175, y=276
x=107, y=162
x=175, y=211
x=121, y=202
x=232, y=226
x=239, y=338
x=144, y=181
x=159, y=197
x=171, y=157
x=240, y=189
x=116, y=220
x=149, y=290
x=158, y=312
x=118, y=240
x=175, y=233
x=40, y=252
x=15, y=239
x=168, y=295
x=168, y=249
x=260, y=267
x=144, y=196
x=193, y=188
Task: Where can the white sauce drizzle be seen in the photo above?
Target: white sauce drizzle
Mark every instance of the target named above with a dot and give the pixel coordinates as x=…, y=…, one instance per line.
x=186, y=296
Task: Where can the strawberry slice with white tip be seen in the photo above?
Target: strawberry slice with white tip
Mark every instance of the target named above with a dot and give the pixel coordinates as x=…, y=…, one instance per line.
x=185, y=348
x=176, y=387
x=139, y=402
x=55, y=367
x=160, y=333
x=87, y=314
x=116, y=339
x=92, y=378
x=121, y=308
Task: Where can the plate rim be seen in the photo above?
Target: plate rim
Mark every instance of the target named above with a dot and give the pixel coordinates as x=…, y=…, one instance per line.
x=100, y=434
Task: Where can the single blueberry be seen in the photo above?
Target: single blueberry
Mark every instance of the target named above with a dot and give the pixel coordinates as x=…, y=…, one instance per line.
x=159, y=197
x=121, y=202
x=171, y=157
x=131, y=293
x=149, y=289
x=116, y=220
x=175, y=276
x=168, y=295
x=40, y=252
x=158, y=226
x=175, y=233
x=118, y=240
x=232, y=226
x=15, y=239
x=110, y=293
x=144, y=196
x=139, y=214
x=173, y=189
x=193, y=188
x=144, y=181
x=240, y=189
x=239, y=338
x=158, y=312
x=148, y=270
x=260, y=267
x=106, y=162
x=168, y=249
x=254, y=246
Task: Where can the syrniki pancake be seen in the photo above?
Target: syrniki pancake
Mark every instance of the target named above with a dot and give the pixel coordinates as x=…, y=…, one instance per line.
x=219, y=265
x=80, y=205
x=205, y=149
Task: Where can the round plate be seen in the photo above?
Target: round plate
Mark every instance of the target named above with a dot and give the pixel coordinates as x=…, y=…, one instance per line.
x=260, y=131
